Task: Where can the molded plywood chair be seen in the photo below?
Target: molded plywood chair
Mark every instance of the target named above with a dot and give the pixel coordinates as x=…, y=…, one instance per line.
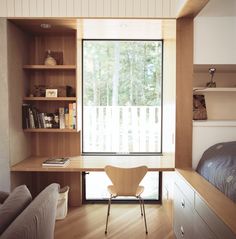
x=126, y=183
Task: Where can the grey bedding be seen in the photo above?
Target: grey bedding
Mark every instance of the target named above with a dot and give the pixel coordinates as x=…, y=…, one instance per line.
x=218, y=166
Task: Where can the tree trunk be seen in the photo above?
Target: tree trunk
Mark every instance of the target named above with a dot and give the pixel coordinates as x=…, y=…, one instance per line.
x=115, y=79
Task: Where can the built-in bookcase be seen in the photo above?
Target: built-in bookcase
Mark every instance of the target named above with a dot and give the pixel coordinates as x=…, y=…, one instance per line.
x=60, y=37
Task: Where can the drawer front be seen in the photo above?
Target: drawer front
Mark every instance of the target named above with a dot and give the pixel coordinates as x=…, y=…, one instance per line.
x=183, y=215
x=201, y=229
x=215, y=224
x=185, y=188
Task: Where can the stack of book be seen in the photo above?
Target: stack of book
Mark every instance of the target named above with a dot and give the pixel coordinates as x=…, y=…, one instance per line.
x=56, y=162
x=64, y=118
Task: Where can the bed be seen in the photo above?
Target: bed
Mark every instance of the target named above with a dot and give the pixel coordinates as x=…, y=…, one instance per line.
x=218, y=166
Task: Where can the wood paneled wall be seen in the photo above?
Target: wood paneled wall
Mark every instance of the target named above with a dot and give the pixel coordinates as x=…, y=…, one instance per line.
x=184, y=82
x=89, y=8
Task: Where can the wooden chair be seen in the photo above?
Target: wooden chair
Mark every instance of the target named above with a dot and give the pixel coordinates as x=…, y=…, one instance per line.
x=126, y=183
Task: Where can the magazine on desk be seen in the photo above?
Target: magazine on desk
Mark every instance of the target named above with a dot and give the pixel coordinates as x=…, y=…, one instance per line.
x=56, y=162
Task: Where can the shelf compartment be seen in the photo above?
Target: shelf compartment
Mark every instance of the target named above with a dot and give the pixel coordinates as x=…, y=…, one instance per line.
x=45, y=67
x=51, y=130
x=50, y=98
x=214, y=89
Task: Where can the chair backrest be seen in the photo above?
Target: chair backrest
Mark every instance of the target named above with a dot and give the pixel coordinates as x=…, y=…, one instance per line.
x=126, y=180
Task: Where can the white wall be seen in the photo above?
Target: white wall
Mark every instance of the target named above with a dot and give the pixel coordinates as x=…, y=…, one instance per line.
x=214, y=40
x=4, y=108
x=215, y=33
x=88, y=8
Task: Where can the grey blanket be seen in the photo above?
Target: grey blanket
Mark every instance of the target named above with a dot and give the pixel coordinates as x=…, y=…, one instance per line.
x=218, y=166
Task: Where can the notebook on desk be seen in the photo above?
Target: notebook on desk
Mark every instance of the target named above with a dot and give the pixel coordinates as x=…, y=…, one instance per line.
x=56, y=162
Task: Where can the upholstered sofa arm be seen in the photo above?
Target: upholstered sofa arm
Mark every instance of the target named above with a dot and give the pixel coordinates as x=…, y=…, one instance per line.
x=37, y=221
x=3, y=196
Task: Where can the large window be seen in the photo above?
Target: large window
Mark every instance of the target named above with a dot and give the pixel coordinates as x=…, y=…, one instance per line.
x=122, y=96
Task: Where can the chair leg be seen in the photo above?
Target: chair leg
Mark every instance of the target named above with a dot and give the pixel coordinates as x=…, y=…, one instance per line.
x=108, y=213
x=144, y=217
x=140, y=203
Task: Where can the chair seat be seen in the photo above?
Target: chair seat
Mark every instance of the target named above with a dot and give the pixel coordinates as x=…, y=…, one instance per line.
x=112, y=191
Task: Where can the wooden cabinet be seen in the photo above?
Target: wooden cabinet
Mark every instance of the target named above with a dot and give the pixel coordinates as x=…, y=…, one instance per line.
x=193, y=218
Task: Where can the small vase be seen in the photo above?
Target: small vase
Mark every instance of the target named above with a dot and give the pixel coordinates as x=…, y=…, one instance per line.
x=49, y=60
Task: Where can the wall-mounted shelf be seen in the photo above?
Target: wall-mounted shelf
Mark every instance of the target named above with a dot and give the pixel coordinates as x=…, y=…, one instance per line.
x=215, y=89
x=51, y=130
x=214, y=123
x=50, y=98
x=220, y=68
x=45, y=67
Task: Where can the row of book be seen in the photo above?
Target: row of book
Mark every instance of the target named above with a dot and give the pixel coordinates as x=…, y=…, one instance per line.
x=64, y=118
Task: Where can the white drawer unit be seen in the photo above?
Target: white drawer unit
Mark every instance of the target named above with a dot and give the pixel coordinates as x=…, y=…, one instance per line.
x=183, y=215
x=201, y=229
x=216, y=225
x=195, y=215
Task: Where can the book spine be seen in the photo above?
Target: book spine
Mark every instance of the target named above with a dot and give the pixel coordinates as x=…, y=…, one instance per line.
x=66, y=118
x=61, y=118
x=70, y=116
x=74, y=115
x=25, y=116
x=31, y=119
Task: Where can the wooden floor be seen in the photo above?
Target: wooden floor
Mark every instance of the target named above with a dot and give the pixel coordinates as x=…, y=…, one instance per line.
x=125, y=221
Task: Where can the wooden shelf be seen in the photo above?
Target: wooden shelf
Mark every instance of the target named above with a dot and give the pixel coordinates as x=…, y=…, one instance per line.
x=50, y=98
x=214, y=123
x=45, y=67
x=215, y=89
x=220, y=68
x=51, y=130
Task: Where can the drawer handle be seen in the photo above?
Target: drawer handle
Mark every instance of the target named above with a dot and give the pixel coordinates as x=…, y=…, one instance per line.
x=182, y=231
x=182, y=203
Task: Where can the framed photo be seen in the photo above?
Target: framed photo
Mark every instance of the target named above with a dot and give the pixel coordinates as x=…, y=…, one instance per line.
x=51, y=92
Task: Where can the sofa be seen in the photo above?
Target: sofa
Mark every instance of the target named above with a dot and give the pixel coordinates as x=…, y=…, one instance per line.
x=24, y=218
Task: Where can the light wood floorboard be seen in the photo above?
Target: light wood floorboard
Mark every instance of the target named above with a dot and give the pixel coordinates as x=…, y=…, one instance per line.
x=125, y=221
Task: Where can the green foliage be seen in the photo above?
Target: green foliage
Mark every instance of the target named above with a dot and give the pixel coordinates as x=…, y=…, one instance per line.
x=131, y=68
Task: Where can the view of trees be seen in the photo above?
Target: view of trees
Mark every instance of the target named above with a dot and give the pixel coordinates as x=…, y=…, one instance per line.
x=122, y=73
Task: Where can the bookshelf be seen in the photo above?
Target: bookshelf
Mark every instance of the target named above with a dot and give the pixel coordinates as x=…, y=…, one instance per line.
x=49, y=141
x=40, y=77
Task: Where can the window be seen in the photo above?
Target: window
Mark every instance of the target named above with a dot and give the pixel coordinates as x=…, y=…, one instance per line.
x=122, y=96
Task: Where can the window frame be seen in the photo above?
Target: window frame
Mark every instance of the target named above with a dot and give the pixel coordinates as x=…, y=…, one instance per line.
x=82, y=100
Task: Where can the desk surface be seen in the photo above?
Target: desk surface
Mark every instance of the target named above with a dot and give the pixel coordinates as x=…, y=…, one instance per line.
x=97, y=163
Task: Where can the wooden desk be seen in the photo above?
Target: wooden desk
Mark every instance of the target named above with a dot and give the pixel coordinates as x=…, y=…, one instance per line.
x=97, y=163
x=36, y=177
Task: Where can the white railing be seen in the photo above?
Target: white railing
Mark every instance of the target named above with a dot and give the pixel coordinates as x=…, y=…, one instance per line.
x=121, y=129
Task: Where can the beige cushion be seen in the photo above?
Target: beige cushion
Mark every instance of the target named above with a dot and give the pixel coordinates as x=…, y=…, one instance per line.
x=15, y=203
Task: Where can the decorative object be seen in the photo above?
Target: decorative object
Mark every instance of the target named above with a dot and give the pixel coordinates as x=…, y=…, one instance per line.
x=49, y=60
x=199, y=107
x=69, y=91
x=56, y=55
x=62, y=91
x=51, y=92
x=38, y=91
x=211, y=83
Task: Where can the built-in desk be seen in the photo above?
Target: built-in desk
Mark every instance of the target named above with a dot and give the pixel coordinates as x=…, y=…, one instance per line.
x=31, y=172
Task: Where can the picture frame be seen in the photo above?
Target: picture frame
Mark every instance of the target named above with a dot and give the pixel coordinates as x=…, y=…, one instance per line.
x=51, y=93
